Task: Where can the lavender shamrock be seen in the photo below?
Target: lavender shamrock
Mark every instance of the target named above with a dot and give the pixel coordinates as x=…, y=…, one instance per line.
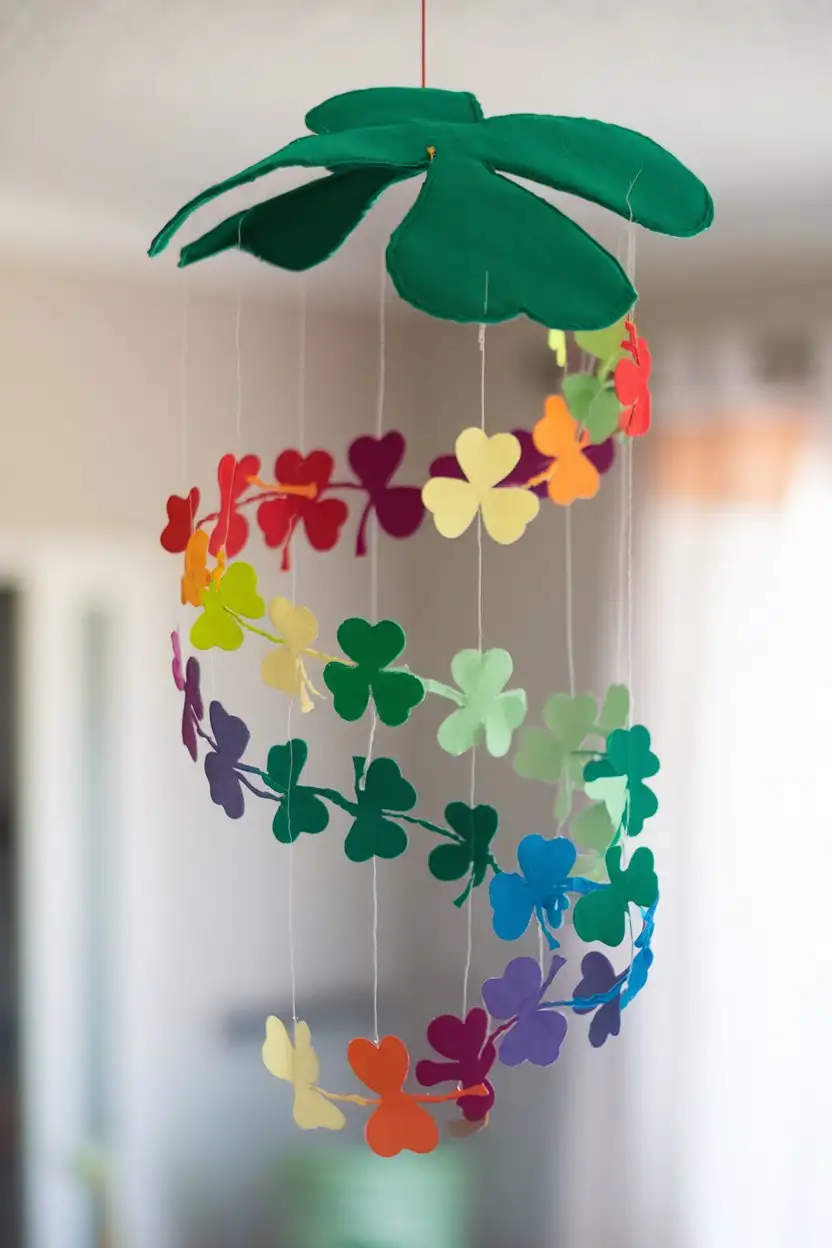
x=537, y=1032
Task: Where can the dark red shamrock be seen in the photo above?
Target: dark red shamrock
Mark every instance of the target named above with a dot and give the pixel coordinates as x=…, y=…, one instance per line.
x=399, y=508
x=632, y=383
x=531, y=463
x=322, y=518
x=180, y=525
x=231, y=529
x=472, y=1055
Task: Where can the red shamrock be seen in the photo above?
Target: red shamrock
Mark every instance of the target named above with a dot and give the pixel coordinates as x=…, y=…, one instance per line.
x=231, y=529
x=180, y=525
x=473, y=1054
x=399, y=508
x=322, y=517
x=632, y=383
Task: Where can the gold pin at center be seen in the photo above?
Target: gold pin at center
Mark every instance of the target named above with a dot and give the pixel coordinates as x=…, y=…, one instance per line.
x=431, y=152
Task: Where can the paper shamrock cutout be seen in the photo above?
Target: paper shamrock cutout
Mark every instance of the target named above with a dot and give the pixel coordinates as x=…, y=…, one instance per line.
x=556, y=342
x=187, y=682
x=487, y=710
x=235, y=594
x=485, y=462
x=383, y=790
x=629, y=757
x=599, y=977
x=283, y=668
x=537, y=1034
x=471, y=1053
x=604, y=344
x=571, y=475
x=632, y=383
x=196, y=576
x=322, y=518
x=231, y=738
x=540, y=890
x=372, y=648
x=594, y=406
x=300, y=810
x=601, y=915
x=471, y=855
x=231, y=529
x=468, y=220
x=298, y=1064
x=181, y=519
x=400, y=1122
x=398, y=508
x=532, y=464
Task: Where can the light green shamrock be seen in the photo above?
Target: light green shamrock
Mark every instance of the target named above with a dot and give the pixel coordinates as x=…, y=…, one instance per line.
x=486, y=709
x=234, y=595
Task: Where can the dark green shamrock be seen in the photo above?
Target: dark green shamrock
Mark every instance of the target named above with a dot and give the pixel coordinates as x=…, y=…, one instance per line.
x=300, y=809
x=383, y=790
x=602, y=914
x=629, y=754
x=471, y=855
x=372, y=647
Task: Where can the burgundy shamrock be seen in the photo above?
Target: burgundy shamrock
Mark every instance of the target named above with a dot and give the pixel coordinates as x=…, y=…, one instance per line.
x=399, y=508
x=472, y=1055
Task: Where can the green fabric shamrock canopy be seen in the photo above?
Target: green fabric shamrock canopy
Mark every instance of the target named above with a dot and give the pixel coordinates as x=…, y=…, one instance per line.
x=468, y=220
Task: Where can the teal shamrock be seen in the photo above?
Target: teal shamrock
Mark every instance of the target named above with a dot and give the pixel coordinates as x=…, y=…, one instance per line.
x=474, y=830
x=557, y=753
x=629, y=757
x=602, y=915
x=487, y=710
x=372, y=648
x=300, y=809
x=468, y=219
x=383, y=790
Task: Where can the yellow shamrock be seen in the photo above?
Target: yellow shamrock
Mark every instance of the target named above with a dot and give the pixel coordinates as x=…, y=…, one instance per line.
x=298, y=1064
x=283, y=668
x=485, y=462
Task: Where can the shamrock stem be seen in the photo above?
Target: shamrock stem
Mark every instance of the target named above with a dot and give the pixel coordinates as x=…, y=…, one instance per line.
x=206, y=737
x=431, y=827
x=337, y=799
x=272, y=797
x=443, y=691
x=351, y=1099
x=281, y=641
x=479, y=1089
x=498, y=1031
x=361, y=536
x=463, y=896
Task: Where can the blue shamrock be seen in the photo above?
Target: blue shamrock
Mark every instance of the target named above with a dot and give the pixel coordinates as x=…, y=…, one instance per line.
x=541, y=889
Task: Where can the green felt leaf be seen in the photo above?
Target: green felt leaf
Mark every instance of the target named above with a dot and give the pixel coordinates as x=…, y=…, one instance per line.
x=612, y=792
x=579, y=391
x=602, y=343
x=396, y=694
x=543, y=265
x=570, y=719
x=301, y=810
x=615, y=710
x=372, y=647
x=486, y=711
x=285, y=763
x=607, y=164
x=460, y=732
x=601, y=916
x=302, y=227
x=384, y=791
x=350, y=689
x=385, y=788
x=449, y=862
x=539, y=757
x=385, y=106
x=603, y=415
x=375, y=837
x=639, y=882
x=593, y=828
x=476, y=828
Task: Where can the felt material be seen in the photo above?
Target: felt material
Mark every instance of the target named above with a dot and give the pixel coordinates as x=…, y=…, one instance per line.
x=322, y=518
x=298, y=1064
x=556, y=342
x=387, y=106
x=536, y=1035
x=304, y=226
x=617, y=168
x=471, y=855
x=383, y=789
x=235, y=594
x=372, y=648
x=602, y=915
x=301, y=809
x=556, y=435
x=485, y=462
x=629, y=755
x=487, y=711
x=231, y=738
x=283, y=667
x=594, y=406
x=599, y=977
x=469, y=221
x=632, y=384
x=398, y=508
x=180, y=525
x=471, y=1053
x=540, y=889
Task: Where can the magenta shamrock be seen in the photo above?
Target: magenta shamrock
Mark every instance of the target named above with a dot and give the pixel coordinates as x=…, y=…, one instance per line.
x=399, y=508
x=537, y=1031
x=231, y=737
x=472, y=1054
x=600, y=980
x=188, y=683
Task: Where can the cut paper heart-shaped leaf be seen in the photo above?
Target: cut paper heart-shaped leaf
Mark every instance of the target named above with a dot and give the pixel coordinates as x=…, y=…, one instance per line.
x=604, y=344
x=485, y=461
x=612, y=792
x=593, y=827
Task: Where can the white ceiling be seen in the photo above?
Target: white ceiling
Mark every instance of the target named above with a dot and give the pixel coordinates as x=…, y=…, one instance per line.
x=112, y=112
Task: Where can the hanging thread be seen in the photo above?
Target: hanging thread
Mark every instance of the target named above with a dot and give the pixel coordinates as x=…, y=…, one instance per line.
x=424, y=43
x=570, y=638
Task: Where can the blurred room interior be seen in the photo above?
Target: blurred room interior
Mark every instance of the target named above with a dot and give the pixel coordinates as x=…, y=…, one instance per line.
x=143, y=937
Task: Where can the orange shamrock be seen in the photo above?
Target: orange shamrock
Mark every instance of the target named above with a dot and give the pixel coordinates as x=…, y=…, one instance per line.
x=196, y=576
x=556, y=435
x=399, y=1122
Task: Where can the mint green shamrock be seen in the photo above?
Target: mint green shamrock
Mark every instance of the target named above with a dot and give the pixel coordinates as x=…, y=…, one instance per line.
x=383, y=790
x=487, y=710
x=372, y=648
x=474, y=831
x=557, y=754
x=300, y=809
x=629, y=757
x=593, y=404
x=602, y=914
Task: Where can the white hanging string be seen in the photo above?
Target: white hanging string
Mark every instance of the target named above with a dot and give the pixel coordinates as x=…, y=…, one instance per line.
x=469, y=905
x=570, y=630
x=184, y=423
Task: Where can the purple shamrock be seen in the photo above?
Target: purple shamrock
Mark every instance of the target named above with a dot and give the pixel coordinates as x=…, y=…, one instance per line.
x=399, y=508
x=231, y=737
x=176, y=663
x=599, y=978
x=471, y=1050
x=537, y=1033
x=531, y=463
x=188, y=683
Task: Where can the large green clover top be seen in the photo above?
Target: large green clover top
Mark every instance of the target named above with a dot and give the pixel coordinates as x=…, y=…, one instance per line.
x=372, y=647
x=468, y=219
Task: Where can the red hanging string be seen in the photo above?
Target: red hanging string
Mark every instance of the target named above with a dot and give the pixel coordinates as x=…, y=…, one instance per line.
x=424, y=43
